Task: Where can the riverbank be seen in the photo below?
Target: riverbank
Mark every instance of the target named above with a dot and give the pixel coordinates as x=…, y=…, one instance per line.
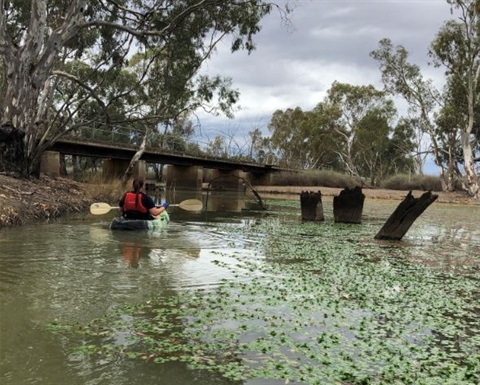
x=457, y=197
x=24, y=201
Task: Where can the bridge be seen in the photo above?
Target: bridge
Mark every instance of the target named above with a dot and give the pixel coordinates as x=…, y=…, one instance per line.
x=185, y=170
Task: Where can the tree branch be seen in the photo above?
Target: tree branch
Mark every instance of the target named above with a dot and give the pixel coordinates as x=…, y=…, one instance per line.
x=80, y=83
x=147, y=32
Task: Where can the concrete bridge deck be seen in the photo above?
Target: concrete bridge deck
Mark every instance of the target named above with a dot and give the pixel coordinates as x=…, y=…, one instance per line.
x=80, y=147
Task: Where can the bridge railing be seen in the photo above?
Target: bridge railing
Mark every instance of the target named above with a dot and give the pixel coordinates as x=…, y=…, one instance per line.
x=170, y=144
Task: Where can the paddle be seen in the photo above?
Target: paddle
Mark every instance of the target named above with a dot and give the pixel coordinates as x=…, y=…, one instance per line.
x=188, y=205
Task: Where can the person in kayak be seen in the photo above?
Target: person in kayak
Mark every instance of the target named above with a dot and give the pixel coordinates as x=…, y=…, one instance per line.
x=138, y=205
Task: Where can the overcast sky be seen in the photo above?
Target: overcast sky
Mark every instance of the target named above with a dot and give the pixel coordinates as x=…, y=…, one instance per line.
x=328, y=40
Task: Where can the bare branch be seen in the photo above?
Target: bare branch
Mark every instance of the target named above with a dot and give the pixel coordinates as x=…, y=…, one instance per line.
x=80, y=83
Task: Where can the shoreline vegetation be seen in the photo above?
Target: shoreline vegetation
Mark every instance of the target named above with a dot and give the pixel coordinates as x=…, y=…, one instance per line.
x=457, y=197
x=25, y=201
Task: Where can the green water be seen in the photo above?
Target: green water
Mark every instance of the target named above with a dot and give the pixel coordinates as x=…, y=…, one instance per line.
x=246, y=297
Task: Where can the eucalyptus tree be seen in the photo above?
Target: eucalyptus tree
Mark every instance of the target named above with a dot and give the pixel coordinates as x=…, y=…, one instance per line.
x=177, y=136
x=217, y=147
x=171, y=92
x=449, y=121
x=107, y=114
x=259, y=148
x=39, y=38
x=255, y=144
x=354, y=105
x=351, y=130
x=287, y=137
x=323, y=137
x=291, y=136
x=401, y=152
x=400, y=77
x=370, y=146
x=308, y=139
x=457, y=48
x=381, y=150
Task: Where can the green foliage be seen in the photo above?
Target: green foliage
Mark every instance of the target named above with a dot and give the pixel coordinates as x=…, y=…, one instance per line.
x=260, y=148
x=217, y=147
x=364, y=112
x=351, y=130
x=305, y=140
x=400, y=77
x=457, y=48
x=401, y=147
x=81, y=51
x=371, y=146
x=450, y=117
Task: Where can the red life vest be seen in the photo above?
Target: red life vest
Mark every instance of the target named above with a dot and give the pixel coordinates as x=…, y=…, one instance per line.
x=133, y=202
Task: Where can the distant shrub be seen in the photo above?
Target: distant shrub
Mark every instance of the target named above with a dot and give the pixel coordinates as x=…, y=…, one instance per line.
x=413, y=182
x=323, y=178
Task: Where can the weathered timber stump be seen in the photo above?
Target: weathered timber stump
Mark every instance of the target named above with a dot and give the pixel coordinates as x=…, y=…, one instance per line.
x=348, y=205
x=405, y=214
x=311, y=205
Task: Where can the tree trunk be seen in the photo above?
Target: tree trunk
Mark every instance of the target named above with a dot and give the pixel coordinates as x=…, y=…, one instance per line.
x=158, y=168
x=473, y=187
x=77, y=169
x=131, y=167
x=63, y=165
x=28, y=68
x=405, y=214
x=12, y=156
x=348, y=206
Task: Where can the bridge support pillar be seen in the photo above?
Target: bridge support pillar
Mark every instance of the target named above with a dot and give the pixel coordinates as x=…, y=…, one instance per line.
x=184, y=177
x=50, y=163
x=228, y=180
x=115, y=168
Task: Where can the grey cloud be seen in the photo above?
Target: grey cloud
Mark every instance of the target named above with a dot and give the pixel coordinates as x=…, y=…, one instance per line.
x=327, y=40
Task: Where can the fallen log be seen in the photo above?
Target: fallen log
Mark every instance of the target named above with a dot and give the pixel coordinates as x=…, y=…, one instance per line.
x=405, y=214
x=311, y=206
x=348, y=205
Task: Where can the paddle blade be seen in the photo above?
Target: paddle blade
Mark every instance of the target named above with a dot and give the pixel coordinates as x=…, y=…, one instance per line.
x=100, y=208
x=190, y=205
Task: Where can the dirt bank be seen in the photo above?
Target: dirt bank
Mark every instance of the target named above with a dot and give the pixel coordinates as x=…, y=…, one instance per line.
x=23, y=201
x=443, y=197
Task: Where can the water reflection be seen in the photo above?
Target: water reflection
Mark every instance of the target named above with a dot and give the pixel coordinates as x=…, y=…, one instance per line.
x=131, y=252
x=216, y=201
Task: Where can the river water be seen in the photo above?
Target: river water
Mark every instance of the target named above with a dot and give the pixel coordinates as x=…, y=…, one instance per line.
x=74, y=270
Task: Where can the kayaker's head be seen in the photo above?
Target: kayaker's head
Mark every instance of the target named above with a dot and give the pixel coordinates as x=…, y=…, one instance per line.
x=137, y=185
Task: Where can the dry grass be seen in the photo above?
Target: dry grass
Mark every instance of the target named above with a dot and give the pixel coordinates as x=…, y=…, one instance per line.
x=97, y=189
x=325, y=178
x=413, y=182
x=313, y=178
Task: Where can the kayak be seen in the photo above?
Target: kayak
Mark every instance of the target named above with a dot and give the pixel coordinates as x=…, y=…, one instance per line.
x=140, y=224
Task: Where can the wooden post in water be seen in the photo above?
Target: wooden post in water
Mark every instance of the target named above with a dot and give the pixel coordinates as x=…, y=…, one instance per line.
x=311, y=205
x=405, y=214
x=348, y=205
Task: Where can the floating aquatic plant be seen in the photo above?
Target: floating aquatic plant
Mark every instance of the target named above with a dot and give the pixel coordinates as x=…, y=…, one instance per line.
x=313, y=304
